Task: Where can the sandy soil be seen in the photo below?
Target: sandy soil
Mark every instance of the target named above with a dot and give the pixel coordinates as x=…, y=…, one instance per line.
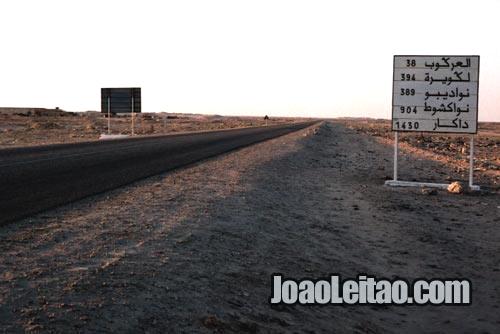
x=193, y=250
x=27, y=127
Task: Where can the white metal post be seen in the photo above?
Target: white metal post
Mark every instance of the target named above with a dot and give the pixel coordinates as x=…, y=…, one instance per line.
x=132, y=115
x=396, y=139
x=109, y=116
x=471, y=162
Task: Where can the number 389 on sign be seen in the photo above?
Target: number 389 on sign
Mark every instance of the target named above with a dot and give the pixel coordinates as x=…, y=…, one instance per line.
x=407, y=91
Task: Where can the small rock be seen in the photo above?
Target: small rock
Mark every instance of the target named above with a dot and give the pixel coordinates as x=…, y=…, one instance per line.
x=456, y=188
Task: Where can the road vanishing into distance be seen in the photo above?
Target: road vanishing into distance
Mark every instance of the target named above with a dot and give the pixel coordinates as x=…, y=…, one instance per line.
x=33, y=179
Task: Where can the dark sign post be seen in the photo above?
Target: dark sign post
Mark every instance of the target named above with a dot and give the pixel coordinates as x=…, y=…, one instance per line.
x=121, y=101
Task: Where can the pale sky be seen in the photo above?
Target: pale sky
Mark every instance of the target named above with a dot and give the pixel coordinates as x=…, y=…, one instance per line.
x=297, y=58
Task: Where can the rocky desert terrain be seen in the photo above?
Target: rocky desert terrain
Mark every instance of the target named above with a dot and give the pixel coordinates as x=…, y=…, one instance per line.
x=448, y=148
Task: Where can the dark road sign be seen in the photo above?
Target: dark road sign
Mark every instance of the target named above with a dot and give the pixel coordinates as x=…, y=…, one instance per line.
x=121, y=100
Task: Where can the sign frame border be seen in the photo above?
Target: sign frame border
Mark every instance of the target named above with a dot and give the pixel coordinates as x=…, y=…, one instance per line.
x=477, y=100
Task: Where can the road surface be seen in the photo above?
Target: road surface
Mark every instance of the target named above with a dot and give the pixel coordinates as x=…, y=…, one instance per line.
x=34, y=179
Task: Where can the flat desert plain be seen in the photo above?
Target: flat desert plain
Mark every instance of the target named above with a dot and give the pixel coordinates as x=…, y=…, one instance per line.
x=37, y=126
x=193, y=250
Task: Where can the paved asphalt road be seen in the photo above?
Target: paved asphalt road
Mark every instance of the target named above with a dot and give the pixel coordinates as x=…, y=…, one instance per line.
x=33, y=179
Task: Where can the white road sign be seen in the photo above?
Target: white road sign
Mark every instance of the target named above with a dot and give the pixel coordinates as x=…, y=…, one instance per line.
x=435, y=93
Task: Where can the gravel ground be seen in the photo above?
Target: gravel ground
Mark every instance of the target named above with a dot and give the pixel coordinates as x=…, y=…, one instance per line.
x=193, y=250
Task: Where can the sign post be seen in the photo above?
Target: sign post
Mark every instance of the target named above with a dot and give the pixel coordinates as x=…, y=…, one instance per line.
x=132, y=115
x=396, y=139
x=471, y=165
x=436, y=94
x=109, y=116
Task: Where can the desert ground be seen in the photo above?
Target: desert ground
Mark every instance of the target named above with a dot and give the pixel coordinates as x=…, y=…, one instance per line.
x=447, y=148
x=38, y=126
x=193, y=250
